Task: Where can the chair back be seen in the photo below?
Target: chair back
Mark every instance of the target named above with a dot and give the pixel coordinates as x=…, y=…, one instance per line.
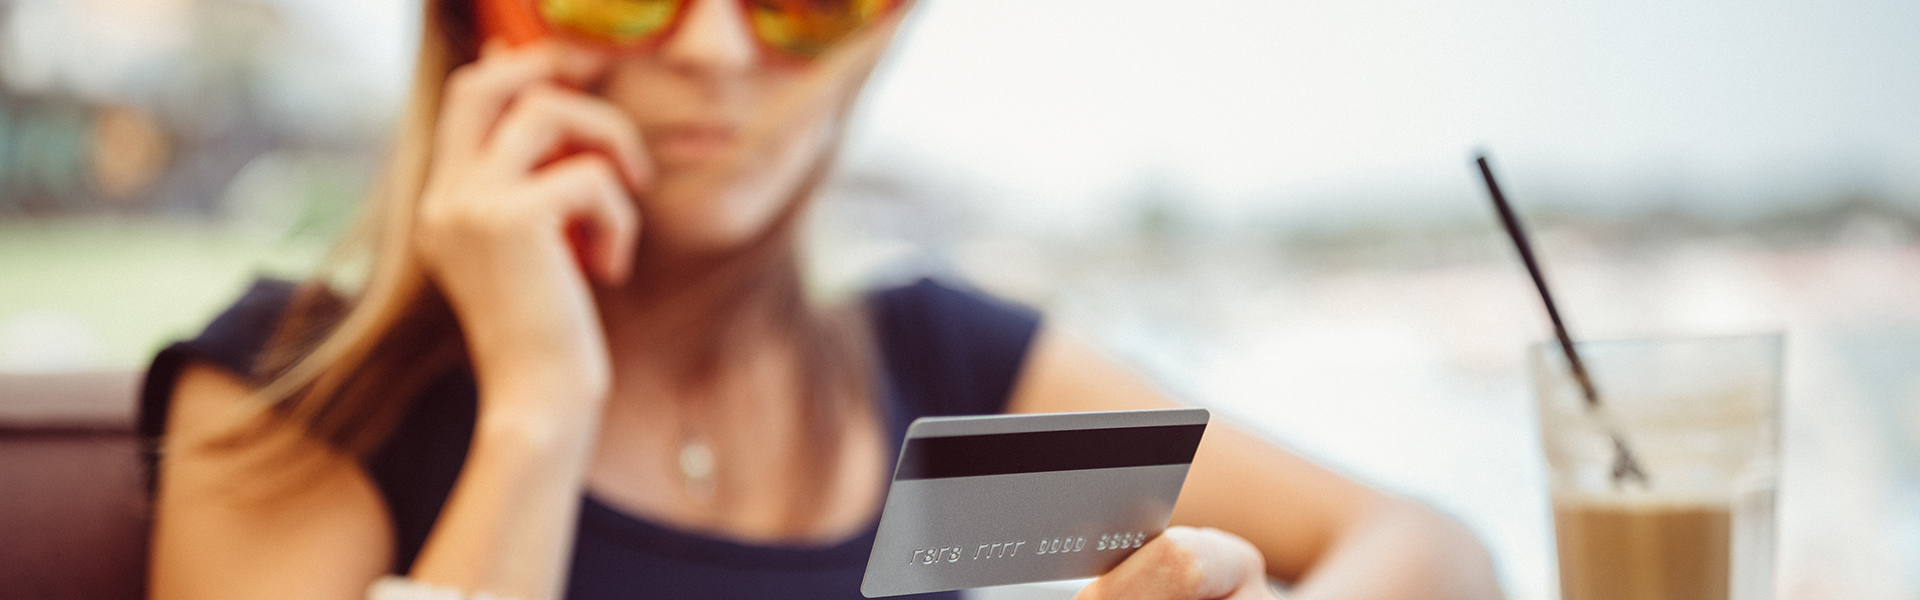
x=73, y=499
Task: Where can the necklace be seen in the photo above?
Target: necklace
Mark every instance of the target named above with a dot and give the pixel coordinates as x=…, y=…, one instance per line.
x=697, y=465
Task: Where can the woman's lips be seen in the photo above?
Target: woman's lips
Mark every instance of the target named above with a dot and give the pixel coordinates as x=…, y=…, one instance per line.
x=688, y=145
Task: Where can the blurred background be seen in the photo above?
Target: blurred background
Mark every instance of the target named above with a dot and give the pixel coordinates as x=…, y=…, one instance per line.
x=1267, y=206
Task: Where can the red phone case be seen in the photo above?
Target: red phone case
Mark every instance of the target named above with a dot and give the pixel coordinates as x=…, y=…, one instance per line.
x=512, y=20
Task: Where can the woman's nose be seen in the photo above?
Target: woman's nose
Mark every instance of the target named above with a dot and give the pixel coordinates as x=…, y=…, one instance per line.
x=713, y=36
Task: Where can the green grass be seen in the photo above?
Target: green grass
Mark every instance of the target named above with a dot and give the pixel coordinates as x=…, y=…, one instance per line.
x=130, y=285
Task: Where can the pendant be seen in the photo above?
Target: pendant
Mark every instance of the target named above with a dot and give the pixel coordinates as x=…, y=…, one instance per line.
x=696, y=468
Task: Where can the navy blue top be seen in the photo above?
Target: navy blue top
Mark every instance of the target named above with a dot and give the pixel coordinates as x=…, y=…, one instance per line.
x=945, y=351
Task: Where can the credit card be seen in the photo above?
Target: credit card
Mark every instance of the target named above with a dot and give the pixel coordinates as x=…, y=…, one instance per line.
x=1004, y=499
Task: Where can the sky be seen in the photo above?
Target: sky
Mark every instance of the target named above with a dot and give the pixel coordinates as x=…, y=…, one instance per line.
x=1059, y=111
x=1257, y=106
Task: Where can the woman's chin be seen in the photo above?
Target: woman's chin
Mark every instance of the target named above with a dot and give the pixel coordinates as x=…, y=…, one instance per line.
x=703, y=216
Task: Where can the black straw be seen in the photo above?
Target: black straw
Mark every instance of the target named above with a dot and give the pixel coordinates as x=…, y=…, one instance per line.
x=1624, y=466
x=1519, y=236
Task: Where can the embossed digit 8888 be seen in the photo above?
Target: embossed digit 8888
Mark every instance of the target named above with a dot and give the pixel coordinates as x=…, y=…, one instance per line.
x=1121, y=541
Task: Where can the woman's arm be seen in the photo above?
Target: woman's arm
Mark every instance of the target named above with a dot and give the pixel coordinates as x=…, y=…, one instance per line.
x=280, y=517
x=1332, y=537
x=285, y=516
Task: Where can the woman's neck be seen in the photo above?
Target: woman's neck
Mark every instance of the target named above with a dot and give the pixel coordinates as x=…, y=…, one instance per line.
x=715, y=358
x=686, y=321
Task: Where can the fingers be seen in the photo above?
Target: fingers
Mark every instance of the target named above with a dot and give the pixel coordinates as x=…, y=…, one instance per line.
x=1185, y=563
x=591, y=196
x=506, y=115
x=477, y=93
x=545, y=118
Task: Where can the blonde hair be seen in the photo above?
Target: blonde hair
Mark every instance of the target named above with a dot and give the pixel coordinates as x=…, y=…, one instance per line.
x=332, y=359
x=346, y=369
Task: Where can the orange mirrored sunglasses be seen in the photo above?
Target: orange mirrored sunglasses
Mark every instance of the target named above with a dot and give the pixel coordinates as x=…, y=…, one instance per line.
x=793, y=28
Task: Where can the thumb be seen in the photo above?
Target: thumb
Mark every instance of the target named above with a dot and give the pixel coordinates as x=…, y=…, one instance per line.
x=1185, y=563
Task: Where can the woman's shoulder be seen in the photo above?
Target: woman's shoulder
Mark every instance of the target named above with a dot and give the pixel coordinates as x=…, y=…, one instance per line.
x=951, y=348
x=234, y=339
x=227, y=484
x=233, y=342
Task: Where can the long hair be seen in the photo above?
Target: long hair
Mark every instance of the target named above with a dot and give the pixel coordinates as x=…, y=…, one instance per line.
x=345, y=367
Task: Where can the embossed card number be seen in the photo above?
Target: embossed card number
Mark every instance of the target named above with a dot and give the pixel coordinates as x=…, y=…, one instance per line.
x=954, y=554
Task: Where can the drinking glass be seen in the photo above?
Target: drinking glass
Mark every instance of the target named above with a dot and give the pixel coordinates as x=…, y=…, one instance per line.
x=1699, y=416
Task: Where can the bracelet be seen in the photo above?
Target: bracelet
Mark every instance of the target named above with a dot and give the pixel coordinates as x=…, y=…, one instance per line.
x=393, y=587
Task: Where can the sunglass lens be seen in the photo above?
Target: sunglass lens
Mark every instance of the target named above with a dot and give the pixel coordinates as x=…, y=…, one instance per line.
x=808, y=27
x=618, y=22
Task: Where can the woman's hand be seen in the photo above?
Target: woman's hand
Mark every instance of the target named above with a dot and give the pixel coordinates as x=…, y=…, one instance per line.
x=1185, y=563
x=527, y=203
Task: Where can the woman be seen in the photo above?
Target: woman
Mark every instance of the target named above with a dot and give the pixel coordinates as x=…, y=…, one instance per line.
x=581, y=361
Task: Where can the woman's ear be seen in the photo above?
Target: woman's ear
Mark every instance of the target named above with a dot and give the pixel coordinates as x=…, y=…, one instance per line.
x=514, y=21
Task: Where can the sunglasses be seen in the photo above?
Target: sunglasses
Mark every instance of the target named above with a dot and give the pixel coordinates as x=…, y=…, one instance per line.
x=799, y=29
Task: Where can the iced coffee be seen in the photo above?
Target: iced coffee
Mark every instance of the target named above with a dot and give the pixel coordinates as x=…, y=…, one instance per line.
x=1699, y=416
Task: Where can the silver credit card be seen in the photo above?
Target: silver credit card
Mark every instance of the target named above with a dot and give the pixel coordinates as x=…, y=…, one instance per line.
x=1004, y=499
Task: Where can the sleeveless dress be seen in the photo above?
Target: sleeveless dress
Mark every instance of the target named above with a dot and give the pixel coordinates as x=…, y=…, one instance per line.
x=944, y=350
